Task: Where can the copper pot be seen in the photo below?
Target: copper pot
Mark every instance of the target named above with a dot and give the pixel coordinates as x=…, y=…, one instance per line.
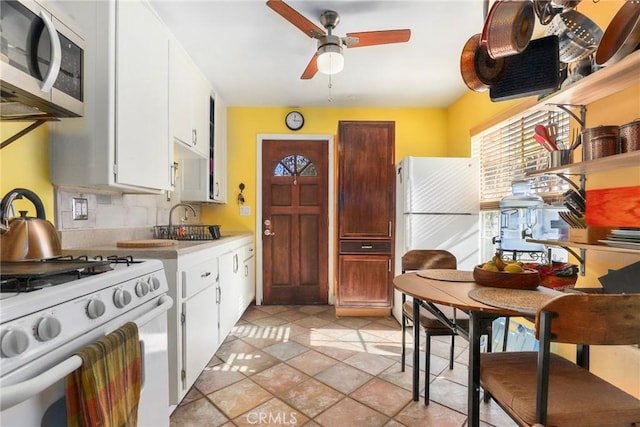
x=600, y=142
x=508, y=28
x=630, y=137
x=26, y=238
x=479, y=71
x=621, y=36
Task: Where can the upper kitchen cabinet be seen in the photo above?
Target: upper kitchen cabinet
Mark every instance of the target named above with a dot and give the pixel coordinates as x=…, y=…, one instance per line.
x=122, y=143
x=205, y=179
x=188, y=102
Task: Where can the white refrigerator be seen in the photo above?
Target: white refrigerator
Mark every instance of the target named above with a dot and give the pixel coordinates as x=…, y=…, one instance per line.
x=437, y=207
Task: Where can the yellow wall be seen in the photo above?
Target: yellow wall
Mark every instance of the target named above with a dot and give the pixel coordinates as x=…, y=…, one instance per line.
x=419, y=132
x=25, y=164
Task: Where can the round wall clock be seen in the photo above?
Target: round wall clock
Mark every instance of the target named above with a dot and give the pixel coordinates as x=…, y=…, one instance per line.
x=294, y=120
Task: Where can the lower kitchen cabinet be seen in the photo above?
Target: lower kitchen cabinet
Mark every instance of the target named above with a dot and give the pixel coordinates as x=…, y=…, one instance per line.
x=365, y=282
x=210, y=288
x=237, y=285
x=230, y=307
x=249, y=275
x=199, y=334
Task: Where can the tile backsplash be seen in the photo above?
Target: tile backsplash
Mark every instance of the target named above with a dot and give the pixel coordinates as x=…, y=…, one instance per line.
x=118, y=216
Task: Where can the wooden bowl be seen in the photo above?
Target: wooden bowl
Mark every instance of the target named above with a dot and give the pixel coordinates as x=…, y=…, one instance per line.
x=528, y=279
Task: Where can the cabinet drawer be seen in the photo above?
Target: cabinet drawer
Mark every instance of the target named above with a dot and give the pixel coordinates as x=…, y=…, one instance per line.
x=365, y=247
x=199, y=277
x=247, y=252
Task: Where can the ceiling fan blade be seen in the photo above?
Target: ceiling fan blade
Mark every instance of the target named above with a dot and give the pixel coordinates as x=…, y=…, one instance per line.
x=372, y=38
x=293, y=16
x=311, y=69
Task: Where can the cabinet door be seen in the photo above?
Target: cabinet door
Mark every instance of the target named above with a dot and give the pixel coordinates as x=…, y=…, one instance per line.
x=200, y=114
x=248, y=276
x=230, y=283
x=199, y=334
x=204, y=179
x=180, y=93
x=142, y=98
x=366, y=200
x=218, y=182
x=364, y=281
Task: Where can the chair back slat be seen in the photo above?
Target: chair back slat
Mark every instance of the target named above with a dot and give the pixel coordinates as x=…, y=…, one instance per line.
x=594, y=319
x=422, y=259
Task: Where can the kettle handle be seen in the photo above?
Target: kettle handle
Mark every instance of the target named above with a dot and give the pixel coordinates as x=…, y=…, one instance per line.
x=8, y=199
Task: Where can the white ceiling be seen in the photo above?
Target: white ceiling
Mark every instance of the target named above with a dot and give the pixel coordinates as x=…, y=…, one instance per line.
x=254, y=57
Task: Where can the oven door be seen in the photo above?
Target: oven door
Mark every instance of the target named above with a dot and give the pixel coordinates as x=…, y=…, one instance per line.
x=41, y=60
x=47, y=407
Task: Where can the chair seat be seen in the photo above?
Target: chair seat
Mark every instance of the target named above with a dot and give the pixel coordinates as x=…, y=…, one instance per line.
x=431, y=322
x=576, y=396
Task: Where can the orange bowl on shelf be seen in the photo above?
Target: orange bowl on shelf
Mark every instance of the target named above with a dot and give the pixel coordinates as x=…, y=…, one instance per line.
x=528, y=279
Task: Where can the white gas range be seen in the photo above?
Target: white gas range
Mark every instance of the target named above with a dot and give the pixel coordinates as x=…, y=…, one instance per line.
x=53, y=308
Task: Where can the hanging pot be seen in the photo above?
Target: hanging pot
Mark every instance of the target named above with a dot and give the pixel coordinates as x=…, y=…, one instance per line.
x=622, y=35
x=479, y=71
x=27, y=238
x=508, y=28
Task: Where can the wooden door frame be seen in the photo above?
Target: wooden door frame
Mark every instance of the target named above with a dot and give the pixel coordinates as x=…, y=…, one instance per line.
x=330, y=206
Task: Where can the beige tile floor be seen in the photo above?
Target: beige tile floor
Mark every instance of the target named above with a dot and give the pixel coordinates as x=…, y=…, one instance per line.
x=303, y=366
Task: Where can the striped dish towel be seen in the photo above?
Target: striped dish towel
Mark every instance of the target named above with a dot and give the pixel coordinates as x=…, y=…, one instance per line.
x=105, y=390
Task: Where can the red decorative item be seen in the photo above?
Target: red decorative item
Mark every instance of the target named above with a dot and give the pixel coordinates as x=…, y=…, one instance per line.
x=614, y=207
x=555, y=275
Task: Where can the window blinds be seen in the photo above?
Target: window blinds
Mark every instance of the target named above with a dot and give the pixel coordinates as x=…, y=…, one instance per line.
x=509, y=151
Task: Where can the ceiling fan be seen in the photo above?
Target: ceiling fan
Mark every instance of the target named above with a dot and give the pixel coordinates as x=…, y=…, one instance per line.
x=328, y=58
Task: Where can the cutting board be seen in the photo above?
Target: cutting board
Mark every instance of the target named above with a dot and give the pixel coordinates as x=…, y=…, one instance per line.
x=151, y=243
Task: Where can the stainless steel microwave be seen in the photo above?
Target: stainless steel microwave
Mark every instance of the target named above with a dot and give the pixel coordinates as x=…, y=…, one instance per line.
x=41, y=62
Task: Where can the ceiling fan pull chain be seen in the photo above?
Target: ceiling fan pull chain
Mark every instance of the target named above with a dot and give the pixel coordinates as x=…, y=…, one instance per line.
x=330, y=99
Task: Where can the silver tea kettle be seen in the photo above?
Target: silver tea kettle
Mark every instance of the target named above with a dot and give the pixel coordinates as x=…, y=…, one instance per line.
x=26, y=238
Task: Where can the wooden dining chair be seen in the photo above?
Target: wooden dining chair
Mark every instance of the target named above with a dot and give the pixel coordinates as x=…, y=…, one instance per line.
x=547, y=389
x=422, y=259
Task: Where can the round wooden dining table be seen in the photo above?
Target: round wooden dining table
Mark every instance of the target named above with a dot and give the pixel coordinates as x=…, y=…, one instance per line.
x=483, y=304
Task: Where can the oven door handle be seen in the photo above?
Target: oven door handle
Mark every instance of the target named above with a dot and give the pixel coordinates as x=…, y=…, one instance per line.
x=17, y=393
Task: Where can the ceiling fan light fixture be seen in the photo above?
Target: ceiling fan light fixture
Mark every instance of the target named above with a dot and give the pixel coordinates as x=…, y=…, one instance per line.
x=330, y=59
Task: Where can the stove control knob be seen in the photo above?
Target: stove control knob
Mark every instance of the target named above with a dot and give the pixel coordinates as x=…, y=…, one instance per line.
x=48, y=328
x=14, y=342
x=142, y=288
x=154, y=283
x=95, y=308
x=121, y=297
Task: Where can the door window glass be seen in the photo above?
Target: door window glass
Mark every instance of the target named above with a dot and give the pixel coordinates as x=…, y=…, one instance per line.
x=295, y=165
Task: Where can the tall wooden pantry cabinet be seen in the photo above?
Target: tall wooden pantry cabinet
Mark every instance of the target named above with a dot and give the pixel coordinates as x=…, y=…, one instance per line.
x=366, y=212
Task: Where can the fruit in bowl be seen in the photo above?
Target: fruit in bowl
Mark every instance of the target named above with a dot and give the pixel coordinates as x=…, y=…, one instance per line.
x=499, y=273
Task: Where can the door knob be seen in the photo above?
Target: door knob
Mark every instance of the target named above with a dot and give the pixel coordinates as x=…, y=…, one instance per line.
x=268, y=232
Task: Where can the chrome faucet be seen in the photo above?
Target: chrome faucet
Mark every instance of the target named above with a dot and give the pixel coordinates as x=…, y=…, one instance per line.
x=186, y=205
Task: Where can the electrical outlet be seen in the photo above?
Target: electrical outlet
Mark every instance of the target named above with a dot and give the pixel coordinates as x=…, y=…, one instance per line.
x=245, y=210
x=80, y=208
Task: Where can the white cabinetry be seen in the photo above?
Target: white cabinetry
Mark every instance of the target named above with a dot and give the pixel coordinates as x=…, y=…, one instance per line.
x=237, y=283
x=188, y=102
x=230, y=307
x=205, y=179
x=199, y=318
x=127, y=103
x=248, y=275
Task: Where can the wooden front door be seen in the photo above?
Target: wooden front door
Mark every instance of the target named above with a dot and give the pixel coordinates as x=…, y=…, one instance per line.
x=295, y=221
